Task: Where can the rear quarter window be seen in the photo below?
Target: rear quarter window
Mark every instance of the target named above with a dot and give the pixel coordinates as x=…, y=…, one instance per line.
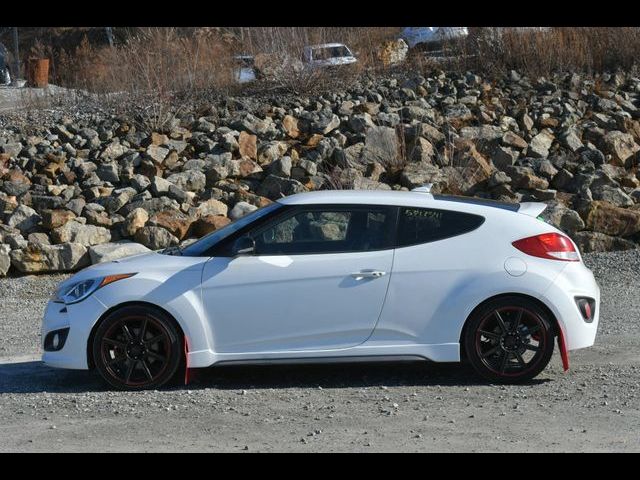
x=423, y=225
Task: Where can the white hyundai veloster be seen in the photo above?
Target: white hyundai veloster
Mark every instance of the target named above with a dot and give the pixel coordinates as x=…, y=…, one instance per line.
x=335, y=276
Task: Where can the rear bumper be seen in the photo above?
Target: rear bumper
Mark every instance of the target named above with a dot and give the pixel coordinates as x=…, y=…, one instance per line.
x=575, y=280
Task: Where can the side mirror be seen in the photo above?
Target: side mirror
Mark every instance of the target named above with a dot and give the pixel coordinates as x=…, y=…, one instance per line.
x=244, y=246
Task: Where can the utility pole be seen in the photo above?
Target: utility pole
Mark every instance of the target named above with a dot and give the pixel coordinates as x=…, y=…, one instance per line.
x=16, y=54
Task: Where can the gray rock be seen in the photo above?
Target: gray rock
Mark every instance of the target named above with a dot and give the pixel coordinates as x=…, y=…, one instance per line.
x=210, y=207
x=50, y=258
x=364, y=183
x=13, y=149
x=156, y=153
x=571, y=140
x=360, y=123
x=599, y=242
x=46, y=202
x=5, y=260
x=325, y=123
x=382, y=146
x=140, y=182
x=240, y=209
x=39, y=238
x=108, y=252
x=274, y=187
x=418, y=174
x=621, y=146
x=155, y=238
x=504, y=157
x=498, y=178
x=281, y=167
x=613, y=195
x=540, y=144
x=190, y=181
x=76, y=232
x=563, y=218
x=24, y=218
x=159, y=185
x=108, y=172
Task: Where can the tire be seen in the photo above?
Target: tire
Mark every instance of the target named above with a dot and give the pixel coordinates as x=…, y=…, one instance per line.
x=137, y=348
x=509, y=340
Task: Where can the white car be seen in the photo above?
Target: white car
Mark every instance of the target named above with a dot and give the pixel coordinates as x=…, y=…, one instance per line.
x=328, y=55
x=335, y=276
x=425, y=36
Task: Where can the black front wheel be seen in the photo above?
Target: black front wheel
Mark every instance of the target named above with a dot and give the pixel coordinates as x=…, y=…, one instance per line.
x=137, y=348
x=509, y=340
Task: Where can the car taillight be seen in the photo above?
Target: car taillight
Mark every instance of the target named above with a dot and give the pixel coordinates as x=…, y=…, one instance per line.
x=548, y=245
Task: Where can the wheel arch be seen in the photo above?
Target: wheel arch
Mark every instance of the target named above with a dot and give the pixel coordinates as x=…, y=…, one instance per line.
x=537, y=301
x=108, y=312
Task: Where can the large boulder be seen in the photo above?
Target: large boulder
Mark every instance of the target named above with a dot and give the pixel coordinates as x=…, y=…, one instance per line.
x=211, y=207
x=24, y=218
x=248, y=145
x=621, y=146
x=207, y=224
x=240, y=209
x=108, y=252
x=563, y=218
x=418, y=174
x=135, y=221
x=76, y=232
x=540, y=144
x=381, y=145
x=600, y=242
x=50, y=258
x=155, y=238
x=174, y=221
x=190, y=181
x=274, y=187
x=56, y=218
x=604, y=217
x=474, y=168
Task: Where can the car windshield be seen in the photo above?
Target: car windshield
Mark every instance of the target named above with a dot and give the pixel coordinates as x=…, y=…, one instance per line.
x=325, y=53
x=203, y=245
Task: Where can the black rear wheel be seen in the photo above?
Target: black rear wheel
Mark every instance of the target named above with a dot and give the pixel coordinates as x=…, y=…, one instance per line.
x=509, y=340
x=137, y=348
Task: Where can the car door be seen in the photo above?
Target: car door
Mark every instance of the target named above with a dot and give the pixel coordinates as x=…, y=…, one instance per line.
x=317, y=280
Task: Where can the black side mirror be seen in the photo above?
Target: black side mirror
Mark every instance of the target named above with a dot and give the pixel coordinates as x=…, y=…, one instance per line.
x=244, y=246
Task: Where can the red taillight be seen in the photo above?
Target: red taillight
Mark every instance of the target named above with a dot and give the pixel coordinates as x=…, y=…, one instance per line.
x=548, y=245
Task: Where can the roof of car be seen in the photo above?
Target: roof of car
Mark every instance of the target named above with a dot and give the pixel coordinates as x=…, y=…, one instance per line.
x=388, y=197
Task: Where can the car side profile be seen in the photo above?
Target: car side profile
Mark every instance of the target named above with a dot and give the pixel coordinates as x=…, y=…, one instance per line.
x=335, y=276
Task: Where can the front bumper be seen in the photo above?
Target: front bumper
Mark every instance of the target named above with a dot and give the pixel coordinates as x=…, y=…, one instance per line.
x=79, y=318
x=575, y=280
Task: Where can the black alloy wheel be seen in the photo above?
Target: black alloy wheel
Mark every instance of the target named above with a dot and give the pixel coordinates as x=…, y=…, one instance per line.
x=509, y=340
x=137, y=348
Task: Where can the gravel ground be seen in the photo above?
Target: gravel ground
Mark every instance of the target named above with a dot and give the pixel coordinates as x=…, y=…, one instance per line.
x=373, y=407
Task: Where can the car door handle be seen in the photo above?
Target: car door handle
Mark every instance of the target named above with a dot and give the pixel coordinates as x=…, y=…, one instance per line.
x=368, y=274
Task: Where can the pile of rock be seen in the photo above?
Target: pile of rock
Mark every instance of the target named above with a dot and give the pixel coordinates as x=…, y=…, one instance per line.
x=90, y=188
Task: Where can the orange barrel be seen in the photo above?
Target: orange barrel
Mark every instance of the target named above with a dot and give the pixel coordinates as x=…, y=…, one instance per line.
x=38, y=72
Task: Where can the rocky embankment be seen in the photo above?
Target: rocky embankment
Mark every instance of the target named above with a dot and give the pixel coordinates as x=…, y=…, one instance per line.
x=80, y=189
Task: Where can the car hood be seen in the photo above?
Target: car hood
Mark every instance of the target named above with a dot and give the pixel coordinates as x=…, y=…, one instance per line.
x=144, y=262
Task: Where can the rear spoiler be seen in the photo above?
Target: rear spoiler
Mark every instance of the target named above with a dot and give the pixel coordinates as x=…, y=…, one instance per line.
x=533, y=209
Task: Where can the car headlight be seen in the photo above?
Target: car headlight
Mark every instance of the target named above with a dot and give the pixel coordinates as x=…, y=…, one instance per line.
x=76, y=292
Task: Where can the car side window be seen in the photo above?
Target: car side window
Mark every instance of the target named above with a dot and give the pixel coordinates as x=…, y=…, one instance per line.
x=423, y=225
x=327, y=230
